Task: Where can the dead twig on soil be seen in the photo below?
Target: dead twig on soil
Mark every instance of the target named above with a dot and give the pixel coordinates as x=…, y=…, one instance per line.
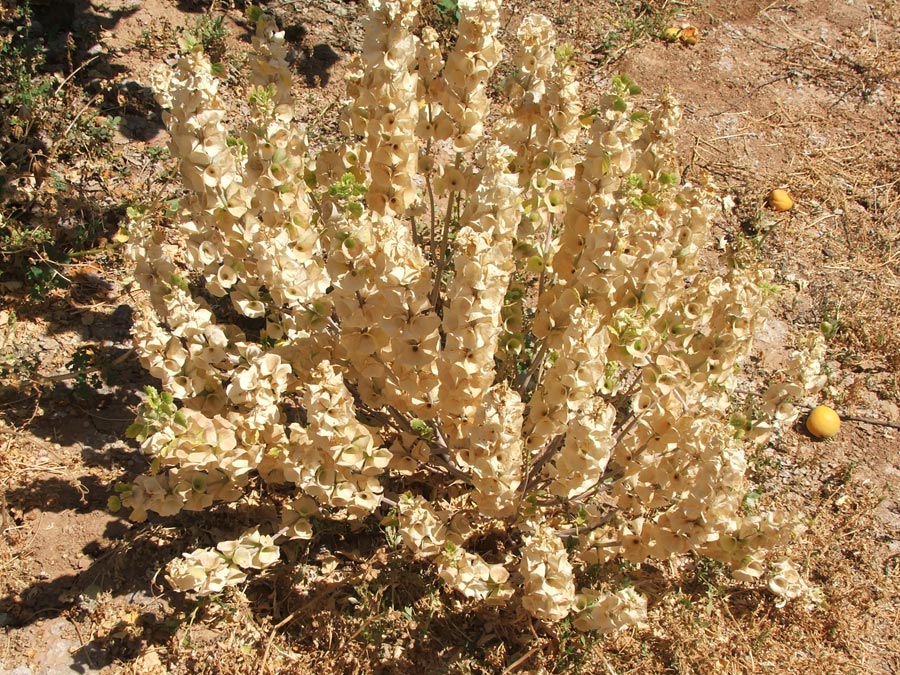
x=47, y=379
x=519, y=661
x=84, y=645
x=869, y=420
x=281, y=624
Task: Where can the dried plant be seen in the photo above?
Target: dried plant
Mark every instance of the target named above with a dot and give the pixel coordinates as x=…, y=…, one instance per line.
x=502, y=338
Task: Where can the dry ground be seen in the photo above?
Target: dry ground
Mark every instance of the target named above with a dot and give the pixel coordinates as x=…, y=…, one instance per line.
x=802, y=95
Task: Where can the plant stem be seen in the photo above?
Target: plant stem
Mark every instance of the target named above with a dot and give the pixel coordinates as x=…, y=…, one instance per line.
x=442, y=259
x=541, y=460
x=536, y=363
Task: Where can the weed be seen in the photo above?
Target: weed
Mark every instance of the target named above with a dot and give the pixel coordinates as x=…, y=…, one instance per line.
x=87, y=379
x=42, y=278
x=448, y=8
x=22, y=88
x=15, y=364
x=831, y=319
x=629, y=24
x=58, y=183
x=763, y=465
x=710, y=574
x=102, y=128
x=157, y=153
x=209, y=32
x=16, y=238
x=575, y=647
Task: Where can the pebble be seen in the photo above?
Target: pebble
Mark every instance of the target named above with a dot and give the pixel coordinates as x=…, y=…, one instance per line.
x=21, y=670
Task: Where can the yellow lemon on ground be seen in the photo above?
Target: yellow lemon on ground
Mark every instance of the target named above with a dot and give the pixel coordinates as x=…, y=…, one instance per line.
x=823, y=422
x=780, y=200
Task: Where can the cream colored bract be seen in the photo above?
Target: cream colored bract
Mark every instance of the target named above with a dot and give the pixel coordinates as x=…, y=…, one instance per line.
x=482, y=315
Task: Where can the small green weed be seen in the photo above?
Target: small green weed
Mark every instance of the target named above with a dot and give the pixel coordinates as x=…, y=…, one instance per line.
x=575, y=648
x=18, y=363
x=209, y=32
x=831, y=319
x=47, y=217
x=449, y=8
x=102, y=128
x=87, y=378
x=628, y=24
x=42, y=278
x=22, y=86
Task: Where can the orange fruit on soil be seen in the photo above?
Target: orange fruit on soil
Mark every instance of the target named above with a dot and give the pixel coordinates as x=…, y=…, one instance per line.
x=823, y=422
x=780, y=200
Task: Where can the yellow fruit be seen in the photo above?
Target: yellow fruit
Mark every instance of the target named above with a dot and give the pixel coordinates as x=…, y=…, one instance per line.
x=780, y=200
x=823, y=422
x=671, y=33
x=689, y=35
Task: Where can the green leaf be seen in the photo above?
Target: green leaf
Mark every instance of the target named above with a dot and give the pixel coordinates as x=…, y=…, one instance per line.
x=355, y=209
x=137, y=431
x=649, y=200
x=422, y=429
x=640, y=117
x=448, y=7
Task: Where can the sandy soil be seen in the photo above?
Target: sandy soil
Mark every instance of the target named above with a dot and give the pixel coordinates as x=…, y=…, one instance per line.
x=801, y=95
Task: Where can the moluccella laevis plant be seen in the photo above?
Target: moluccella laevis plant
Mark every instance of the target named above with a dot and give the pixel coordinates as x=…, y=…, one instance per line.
x=482, y=320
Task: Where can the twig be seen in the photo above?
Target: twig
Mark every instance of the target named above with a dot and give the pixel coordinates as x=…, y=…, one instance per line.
x=24, y=549
x=608, y=666
x=536, y=363
x=76, y=118
x=84, y=645
x=539, y=462
x=78, y=373
x=442, y=260
x=281, y=624
x=318, y=118
x=99, y=249
x=519, y=661
x=74, y=73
